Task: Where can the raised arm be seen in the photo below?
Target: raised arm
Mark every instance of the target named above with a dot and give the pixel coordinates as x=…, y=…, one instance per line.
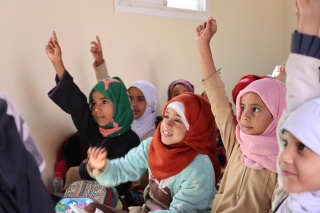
x=53, y=51
x=214, y=87
x=99, y=63
x=204, y=34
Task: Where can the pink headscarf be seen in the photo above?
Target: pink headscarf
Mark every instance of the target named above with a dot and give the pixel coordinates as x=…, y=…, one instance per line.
x=260, y=151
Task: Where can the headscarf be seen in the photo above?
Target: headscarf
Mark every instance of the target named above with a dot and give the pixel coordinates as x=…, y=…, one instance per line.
x=146, y=122
x=260, y=151
x=243, y=82
x=21, y=186
x=304, y=124
x=168, y=160
x=115, y=91
x=185, y=83
x=23, y=129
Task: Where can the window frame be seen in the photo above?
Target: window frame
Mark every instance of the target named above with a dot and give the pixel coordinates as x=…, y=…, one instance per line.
x=145, y=7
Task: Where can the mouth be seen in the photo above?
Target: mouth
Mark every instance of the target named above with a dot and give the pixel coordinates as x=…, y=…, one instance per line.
x=286, y=173
x=166, y=133
x=246, y=128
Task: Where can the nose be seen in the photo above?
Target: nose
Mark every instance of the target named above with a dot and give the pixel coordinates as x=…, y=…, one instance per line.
x=133, y=102
x=168, y=122
x=245, y=115
x=287, y=155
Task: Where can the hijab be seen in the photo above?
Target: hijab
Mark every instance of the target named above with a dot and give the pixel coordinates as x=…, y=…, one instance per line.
x=23, y=129
x=185, y=83
x=261, y=151
x=304, y=124
x=115, y=91
x=146, y=122
x=168, y=160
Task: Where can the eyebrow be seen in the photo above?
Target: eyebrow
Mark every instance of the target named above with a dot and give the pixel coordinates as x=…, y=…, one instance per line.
x=252, y=105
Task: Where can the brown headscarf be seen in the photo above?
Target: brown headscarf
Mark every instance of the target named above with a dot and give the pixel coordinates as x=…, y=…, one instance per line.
x=168, y=160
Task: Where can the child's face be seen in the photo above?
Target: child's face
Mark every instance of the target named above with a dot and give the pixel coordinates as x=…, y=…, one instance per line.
x=172, y=128
x=138, y=102
x=300, y=167
x=255, y=116
x=178, y=89
x=102, y=109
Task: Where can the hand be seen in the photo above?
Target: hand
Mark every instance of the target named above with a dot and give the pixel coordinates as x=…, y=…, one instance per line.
x=53, y=49
x=96, y=51
x=308, y=15
x=97, y=158
x=205, y=32
x=279, y=72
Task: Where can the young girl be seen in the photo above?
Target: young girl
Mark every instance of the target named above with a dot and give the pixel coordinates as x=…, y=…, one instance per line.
x=298, y=129
x=180, y=158
x=106, y=122
x=249, y=138
x=143, y=95
x=178, y=87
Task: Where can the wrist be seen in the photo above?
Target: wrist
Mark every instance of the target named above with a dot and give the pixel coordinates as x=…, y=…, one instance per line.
x=99, y=62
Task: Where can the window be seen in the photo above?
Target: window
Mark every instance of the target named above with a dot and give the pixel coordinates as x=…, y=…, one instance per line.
x=188, y=9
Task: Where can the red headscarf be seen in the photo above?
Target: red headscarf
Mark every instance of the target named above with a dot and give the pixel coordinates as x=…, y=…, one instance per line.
x=243, y=83
x=168, y=160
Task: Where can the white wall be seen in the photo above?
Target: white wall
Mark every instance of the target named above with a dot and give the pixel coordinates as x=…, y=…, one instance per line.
x=253, y=37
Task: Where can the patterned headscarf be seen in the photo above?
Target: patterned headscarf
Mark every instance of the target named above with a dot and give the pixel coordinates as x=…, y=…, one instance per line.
x=168, y=160
x=185, y=83
x=146, y=122
x=115, y=91
x=260, y=151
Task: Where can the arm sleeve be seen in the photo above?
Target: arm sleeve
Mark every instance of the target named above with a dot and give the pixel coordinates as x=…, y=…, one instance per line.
x=127, y=168
x=222, y=111
x=101, y=71
x=67, y=95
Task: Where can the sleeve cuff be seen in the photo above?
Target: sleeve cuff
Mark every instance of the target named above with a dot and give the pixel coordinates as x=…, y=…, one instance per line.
x=304, y=44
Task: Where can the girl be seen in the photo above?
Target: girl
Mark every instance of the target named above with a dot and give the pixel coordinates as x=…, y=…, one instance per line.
x=106, y=122
x=143, y=96
x=298, y=129
x=178, y=87
x=180, y=158
x=249, y=138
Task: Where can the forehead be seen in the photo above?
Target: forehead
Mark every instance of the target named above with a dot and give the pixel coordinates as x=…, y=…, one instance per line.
x=179, y=87
x=251, y=98
x=134, y=91
x=171, y=111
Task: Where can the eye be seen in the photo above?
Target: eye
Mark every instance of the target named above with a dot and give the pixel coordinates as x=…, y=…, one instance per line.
x=166, y=116
x=141, y=100
x=302, y=147
x=242, y=108
x=178, y=120
x=256, y=109
x=105, y=101
x=92, y=105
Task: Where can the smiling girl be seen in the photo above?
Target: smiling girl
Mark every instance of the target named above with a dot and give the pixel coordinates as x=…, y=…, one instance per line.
x=180, y=159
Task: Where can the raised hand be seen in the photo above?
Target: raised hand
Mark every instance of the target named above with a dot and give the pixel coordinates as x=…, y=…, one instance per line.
x=97, y=160
x=96, y=51
x=279, y=72
x=205, y=31
x=53, y=51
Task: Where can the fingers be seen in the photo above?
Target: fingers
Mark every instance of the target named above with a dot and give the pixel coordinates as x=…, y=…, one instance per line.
x=98, y=40
x=95, y=152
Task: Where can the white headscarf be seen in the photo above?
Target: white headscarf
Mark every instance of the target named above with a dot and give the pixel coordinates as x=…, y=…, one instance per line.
x=304, y=124
x=146, y=122
x=23, y=130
